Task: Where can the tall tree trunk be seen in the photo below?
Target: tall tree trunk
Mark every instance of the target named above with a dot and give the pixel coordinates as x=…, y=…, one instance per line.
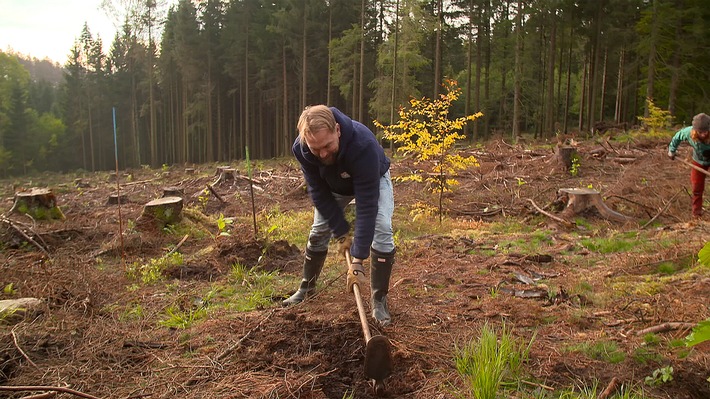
x=361, y=81
x=650, y=76
x=134, y=120
x=550, y=107
x=394, y=68
x=469, y=59
x=619, y=87
x=284, y=104
x=247, y=131
x=330, y=38
x=437, y=51
x=518, y=69
x=595, y=60
x=603, y=88
x=151, y=99
x=304, y=61
x=503, y=111
x=569, y=81
x=675, y=68
x=582, y=95
x=487, y=79
x=209, y=133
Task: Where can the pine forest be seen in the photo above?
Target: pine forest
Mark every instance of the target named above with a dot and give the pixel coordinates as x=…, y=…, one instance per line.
x=202, y=81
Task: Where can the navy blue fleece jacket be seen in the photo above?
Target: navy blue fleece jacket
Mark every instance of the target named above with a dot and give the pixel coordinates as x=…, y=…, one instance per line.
x=360, y=164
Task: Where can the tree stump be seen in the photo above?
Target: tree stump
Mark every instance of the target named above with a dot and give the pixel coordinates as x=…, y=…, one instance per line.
x=565, y=156
x=218, y=171
x=39, y=203
x=225, y=174
x=79, y=183
x=580, y=199
x=167, y=210
x=115, y=199
x=173, y=192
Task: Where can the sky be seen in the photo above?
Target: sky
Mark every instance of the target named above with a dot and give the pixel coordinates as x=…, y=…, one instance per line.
x=48, y=28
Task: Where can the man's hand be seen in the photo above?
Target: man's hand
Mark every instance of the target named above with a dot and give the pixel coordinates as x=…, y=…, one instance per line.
x=356, y=274
x=671, y=155
x=344, y=243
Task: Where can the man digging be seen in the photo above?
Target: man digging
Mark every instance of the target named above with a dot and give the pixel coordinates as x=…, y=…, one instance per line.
x=341, y=160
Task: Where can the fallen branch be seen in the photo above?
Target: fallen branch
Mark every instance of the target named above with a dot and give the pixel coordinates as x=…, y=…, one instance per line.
x=535, y=384
x=177, y=246
x=551, y=216
x=666, y=327
x=662, y=210
x=214, y=192
x=23, y=388
x=301, y=187
x=610, y=389
x=14, y=339
x=28, y=238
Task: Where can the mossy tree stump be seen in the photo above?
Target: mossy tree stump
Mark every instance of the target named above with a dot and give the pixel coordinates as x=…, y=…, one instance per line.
x=39, y=203
x=580, y=199
x=166, y=210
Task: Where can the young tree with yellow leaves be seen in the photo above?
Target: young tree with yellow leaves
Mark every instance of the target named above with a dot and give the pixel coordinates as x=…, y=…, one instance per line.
x=425, y=131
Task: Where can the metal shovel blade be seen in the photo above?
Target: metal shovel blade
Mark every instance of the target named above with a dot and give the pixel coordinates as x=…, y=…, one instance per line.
x=378, y=360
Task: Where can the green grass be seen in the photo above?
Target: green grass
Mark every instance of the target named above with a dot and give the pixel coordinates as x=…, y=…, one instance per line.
x=249, y=289
x=182, y=319
x=645, y=355
x=292, y=227
x=624, y=242
x=152, y=271
x=490, y=361
x=607, y=351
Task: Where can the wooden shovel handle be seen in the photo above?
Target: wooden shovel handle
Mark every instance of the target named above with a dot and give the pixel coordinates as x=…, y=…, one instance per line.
x=360, y=306
x=701, y=170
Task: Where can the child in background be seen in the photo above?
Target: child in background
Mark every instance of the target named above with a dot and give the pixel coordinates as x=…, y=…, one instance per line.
x=698, y=136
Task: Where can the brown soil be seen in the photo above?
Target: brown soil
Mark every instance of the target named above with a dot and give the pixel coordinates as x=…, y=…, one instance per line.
x=444, y=286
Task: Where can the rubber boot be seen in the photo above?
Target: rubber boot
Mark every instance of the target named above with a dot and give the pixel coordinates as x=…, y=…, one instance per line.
x=311, y=269
x=381, y=264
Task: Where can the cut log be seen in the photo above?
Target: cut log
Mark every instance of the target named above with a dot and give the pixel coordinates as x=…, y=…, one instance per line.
x=115, y=199
x=39, y=203
x=173, y=192
x=580, y=199
x=190, y=171
x=167, y=210
x=565, y=156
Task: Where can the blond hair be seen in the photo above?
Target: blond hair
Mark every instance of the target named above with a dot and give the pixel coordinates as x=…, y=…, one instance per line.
x=314, y=118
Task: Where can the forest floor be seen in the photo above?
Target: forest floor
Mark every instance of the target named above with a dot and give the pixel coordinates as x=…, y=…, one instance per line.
x=581, y=293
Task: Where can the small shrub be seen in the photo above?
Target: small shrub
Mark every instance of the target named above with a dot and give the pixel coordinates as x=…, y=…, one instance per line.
x=660, y=376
